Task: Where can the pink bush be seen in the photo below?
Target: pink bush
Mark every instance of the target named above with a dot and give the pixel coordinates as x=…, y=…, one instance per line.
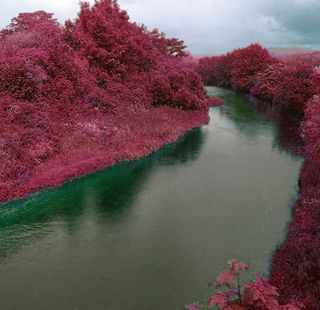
x=233, y=295
x=236, y=69
x=171, y=85
x=216, y=70
x=207, y=68
x=80, y=97
x=311, y=129
x=247, y=63
x=295, y=268
x=287, y=86
x=214, y=101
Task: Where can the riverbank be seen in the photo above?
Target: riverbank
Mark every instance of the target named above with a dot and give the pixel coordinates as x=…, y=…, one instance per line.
x=97, y=144
x=295, y=264
x=82, y=96
x=291, y=87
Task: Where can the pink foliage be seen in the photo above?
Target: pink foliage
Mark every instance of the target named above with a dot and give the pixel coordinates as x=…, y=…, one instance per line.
x=311, y=129
x=288, y=82
x=207, y=68
x=216, y=70
x=173, y=88
x=256, y=295
x=295, y=266
x=261, y=295
x=247, y=63
x=80, y=97
x=287, y=86
x=236, y=69
x=215, y=101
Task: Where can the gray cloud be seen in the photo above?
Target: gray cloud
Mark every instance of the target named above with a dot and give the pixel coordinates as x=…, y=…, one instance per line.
x=207, y=26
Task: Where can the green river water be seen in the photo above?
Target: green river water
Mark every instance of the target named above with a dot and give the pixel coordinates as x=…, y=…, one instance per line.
x=149, y=234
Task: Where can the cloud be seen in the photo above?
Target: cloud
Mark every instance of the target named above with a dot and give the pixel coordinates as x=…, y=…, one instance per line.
x=214, y=26
x=62, y=9
x=207, y=26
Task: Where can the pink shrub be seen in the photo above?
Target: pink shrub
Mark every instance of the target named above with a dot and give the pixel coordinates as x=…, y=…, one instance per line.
x=236, y=69
x=215, y=101
x=295, y=267
x=84, y=96
x=44, y=66
x=171, y=85
x=287, y=86
x=233, y=295
x=207, y=68
x=247, y=63
x=288, y=83
x=311, y=129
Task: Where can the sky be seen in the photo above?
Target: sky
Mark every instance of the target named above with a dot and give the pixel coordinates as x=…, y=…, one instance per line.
x=206, y=26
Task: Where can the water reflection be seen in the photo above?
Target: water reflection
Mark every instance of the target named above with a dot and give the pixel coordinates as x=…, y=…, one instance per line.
x=111, y=192
x=264, y=118
x=288, y=136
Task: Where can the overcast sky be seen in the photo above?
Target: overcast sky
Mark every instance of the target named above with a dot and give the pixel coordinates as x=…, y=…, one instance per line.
x=207, y=26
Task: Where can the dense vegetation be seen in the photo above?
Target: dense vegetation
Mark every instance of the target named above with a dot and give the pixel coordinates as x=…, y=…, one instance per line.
x=291, y=86
x=100, y=89
x=85, y=95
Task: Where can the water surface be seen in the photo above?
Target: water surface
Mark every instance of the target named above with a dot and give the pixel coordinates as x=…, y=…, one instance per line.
x=148, y=234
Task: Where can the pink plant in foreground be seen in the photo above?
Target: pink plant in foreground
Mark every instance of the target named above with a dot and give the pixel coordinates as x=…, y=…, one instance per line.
x=232, y=295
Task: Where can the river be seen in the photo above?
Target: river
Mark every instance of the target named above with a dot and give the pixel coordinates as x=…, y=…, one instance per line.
x=148, y=234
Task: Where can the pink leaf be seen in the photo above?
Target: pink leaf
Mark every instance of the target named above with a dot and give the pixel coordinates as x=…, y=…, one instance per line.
x=218, y=299
x=226, y=277
x=236, y=265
